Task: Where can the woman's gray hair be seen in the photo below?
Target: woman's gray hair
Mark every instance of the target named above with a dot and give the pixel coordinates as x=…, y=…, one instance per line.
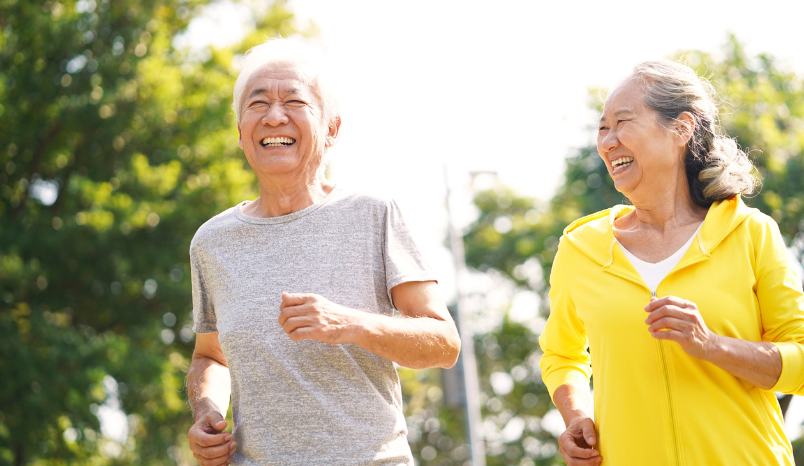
x=286, y=50
x=717, y=169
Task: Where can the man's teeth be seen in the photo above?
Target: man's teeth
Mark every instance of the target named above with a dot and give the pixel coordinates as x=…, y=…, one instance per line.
x=622, y=161
x=276, y=142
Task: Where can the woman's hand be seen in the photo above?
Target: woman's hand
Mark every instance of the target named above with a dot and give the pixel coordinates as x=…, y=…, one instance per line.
x=675, y=319
x=576, y=444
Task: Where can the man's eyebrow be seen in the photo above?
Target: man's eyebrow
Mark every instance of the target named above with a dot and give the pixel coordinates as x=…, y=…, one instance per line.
x=291, y=91
x=255, y=92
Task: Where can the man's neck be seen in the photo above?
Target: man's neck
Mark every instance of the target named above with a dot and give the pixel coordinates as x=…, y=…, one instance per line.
x=276, y=200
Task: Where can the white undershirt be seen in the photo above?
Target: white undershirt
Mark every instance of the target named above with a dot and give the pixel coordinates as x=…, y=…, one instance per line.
x=653, y=274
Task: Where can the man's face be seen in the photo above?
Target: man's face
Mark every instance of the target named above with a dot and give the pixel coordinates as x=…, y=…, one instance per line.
x=282, y=128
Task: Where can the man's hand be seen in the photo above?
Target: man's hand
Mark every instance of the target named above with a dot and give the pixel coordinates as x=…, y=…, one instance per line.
x=424, y=337
x=676, y=319
x=210, y=446
x=314, y=317
x=576, y=444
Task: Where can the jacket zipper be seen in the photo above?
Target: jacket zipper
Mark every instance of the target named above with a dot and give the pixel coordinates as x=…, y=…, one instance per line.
x=669, y=396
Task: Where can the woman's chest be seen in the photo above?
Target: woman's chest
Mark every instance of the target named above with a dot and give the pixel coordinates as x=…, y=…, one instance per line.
x=722, y=288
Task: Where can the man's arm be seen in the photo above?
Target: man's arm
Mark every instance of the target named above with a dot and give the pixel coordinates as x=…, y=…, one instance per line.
x=208, y=387
x=425, y=337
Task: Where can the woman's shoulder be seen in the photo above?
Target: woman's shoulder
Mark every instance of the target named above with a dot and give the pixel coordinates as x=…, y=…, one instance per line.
x=598, y=223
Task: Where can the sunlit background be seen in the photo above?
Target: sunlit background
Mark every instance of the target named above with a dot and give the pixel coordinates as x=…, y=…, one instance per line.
x=466, y=94
x=503, y=89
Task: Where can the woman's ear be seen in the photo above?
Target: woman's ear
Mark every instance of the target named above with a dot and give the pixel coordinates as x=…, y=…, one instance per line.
x=684, y=127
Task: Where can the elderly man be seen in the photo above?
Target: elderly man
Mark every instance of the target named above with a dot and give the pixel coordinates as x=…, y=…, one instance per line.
x=294, y=293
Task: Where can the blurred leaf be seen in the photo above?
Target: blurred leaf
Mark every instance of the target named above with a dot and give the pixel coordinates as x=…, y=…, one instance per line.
x=114, y=148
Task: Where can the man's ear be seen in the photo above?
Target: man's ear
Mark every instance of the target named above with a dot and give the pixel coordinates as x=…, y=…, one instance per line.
x=239, y=136
x=332, y=131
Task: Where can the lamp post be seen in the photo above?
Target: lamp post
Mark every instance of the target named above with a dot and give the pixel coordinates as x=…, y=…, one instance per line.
x=467, y=370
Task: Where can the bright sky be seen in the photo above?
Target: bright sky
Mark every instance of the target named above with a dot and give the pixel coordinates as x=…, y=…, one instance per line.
x=482, y=86
x=492, y=86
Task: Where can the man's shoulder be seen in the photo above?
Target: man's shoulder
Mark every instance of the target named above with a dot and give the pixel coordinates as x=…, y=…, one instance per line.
x=213, y=227
x=363, y=196
x=361, y=201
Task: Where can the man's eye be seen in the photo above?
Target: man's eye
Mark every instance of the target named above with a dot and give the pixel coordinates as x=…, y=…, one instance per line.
x=603, y=128
x=258, y=103
x=296, y=102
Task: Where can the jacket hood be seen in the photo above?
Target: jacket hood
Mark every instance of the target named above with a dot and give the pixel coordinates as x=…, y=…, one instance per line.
x=593, y=236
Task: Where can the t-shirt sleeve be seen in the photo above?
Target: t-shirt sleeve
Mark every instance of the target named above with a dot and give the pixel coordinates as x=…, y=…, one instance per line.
x=204, y=320
x=403, y=260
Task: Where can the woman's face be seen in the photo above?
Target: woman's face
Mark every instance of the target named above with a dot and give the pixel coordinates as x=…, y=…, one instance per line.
x=643, y=157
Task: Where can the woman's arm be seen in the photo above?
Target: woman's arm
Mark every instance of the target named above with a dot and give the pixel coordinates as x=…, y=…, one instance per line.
x=426, y=337
x=576, y=444
x=675, y=319
x=566, y=365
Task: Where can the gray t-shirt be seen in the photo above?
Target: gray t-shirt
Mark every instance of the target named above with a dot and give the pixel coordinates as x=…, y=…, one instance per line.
x=306, y=402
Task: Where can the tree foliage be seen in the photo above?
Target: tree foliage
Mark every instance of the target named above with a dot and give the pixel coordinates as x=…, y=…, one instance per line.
x=115, y=146
x=518, y=237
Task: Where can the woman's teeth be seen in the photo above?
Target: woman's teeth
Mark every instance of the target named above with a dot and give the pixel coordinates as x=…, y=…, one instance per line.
x=276, y=142
x=621, y=162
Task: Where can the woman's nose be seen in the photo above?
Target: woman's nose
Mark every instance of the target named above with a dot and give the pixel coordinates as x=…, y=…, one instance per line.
x=607, y=142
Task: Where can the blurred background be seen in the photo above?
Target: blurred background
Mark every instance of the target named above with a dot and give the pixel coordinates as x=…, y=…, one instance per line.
x=117, y=142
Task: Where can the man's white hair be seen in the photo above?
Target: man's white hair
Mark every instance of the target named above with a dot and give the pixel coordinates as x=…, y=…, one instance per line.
x=287, y=50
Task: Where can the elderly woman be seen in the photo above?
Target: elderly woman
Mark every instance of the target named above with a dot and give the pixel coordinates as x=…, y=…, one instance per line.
x=691, y=312
x=294, y=294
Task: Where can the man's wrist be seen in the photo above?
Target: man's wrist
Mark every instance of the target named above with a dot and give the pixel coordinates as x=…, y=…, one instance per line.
x=360, y=326
x=204, y=406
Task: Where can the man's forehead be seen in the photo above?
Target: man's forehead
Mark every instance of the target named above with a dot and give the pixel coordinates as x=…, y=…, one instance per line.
x=285, y=76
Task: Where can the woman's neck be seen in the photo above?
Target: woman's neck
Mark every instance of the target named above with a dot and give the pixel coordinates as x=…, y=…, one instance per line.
x=672, y=213
x=664, y=208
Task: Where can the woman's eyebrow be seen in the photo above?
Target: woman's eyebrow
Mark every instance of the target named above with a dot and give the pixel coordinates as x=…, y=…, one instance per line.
x=618, y=113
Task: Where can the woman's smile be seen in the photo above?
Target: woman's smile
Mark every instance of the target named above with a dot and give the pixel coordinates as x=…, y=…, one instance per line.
x=619, y=164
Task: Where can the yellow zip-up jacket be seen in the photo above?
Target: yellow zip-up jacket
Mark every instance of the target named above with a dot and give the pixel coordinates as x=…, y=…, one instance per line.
x=654, y=404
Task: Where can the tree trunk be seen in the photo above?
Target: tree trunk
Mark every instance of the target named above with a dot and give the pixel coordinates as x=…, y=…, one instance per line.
x=19, y=455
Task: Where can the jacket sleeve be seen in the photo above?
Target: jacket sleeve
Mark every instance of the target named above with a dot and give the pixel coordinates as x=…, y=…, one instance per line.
x=563, y=341
x=781, y=305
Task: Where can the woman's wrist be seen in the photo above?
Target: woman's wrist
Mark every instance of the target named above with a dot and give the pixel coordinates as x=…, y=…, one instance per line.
x=714, y=349
x=577, y=413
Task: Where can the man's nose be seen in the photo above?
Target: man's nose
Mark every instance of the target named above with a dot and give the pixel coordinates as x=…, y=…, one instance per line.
x=275, y=116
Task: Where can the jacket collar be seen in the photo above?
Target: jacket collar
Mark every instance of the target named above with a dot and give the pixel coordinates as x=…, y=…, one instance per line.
x=592, y=235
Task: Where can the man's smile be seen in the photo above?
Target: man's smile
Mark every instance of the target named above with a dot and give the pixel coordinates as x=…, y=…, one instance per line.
x=277, y=142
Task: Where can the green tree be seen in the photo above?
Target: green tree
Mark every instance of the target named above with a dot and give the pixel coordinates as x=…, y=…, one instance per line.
x=764, y=111
x=114, y=148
